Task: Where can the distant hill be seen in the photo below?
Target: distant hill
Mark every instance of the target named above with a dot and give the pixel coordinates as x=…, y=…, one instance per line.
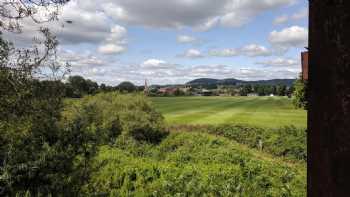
x=203, y=81
x=232, y=81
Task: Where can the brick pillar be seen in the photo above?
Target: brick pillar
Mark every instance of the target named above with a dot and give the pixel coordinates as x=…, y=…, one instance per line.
x=305, y=65
x=329, y=99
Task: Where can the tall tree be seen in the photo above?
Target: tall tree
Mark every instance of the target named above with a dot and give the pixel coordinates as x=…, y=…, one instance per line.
x=299, y=94
x=126, y=86
x=35, y=155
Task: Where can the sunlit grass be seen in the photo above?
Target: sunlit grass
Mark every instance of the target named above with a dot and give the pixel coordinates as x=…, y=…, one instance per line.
x=256, y=111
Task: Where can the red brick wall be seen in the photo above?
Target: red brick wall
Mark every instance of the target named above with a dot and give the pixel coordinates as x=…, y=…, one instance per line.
x=305, y=65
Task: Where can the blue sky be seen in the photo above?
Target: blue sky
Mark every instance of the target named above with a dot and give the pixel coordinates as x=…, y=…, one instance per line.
x=175, y=41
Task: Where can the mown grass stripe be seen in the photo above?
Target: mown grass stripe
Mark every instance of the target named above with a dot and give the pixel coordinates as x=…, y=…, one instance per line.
x=257, y=111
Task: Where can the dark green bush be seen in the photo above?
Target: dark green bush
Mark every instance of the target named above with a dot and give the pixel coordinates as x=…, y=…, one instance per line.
x=109, y=115
x=33, y=156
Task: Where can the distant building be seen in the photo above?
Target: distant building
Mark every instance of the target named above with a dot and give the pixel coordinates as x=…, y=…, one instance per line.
x=167, y=90
x=252, y=94
x=146, y=89
x=305, y=65
x=206, y=92
x=185, y=88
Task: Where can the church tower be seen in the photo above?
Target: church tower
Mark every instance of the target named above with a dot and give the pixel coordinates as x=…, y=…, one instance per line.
x=146, y=89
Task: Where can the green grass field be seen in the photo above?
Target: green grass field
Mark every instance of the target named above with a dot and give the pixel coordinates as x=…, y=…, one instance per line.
x=268, y=112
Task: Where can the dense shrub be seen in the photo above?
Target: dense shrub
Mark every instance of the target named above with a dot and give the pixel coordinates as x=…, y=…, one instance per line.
x=32, y=150
x=108, y=115
x=126, y=86
x=191, y=164
x=289, y=142
x=299, y=94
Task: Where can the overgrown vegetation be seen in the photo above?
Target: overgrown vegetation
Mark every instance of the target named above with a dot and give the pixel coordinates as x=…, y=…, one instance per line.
x=182, y=163
x=191, y=164
x=33, y=156
x=288, y=142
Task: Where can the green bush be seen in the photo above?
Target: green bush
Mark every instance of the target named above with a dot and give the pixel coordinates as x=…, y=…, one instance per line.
x=33, y=156
x=299, y=94
x=109, y=115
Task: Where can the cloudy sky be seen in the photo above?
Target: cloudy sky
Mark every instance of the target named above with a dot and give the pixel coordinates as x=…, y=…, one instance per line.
x=175, y=41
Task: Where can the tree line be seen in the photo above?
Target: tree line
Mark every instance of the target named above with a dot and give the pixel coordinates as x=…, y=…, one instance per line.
x=266, y=90
x=77, y=86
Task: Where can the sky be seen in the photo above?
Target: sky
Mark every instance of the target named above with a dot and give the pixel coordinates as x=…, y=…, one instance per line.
x=175, y=41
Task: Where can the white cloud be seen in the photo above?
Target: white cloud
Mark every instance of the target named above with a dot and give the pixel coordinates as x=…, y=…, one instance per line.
x=294, y=36
x=234, y=19
x=210, y=23
x=80, y=60
x=223, y=52
x=254, y=50
x=115, y=42
x=303, y=13
x=251, y=50
x=118, y=34
x=281, y=20
x=186, y=39
x=109, y=49
x=241, y=12
x=267, y=73
x=158, y=71
x=154, y=64
x=281, y=62
x=200, y=14
x=164, y=14
x=192, y=53
x=86, y=27
x=89, y=26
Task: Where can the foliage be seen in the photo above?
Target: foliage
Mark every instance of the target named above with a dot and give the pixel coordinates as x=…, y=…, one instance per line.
x=288, y=142
x=77, y=87
x=245, y=90
x=299, y=94
x=110, y=114
x=29, y=109
x=14, y=11
x=281, y=90
x=185, y=164
x=32, y=155
x=126, y=86
x=191, y=164
x=264, y=90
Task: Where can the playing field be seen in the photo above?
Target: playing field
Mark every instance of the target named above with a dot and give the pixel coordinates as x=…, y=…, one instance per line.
x=256, y=111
